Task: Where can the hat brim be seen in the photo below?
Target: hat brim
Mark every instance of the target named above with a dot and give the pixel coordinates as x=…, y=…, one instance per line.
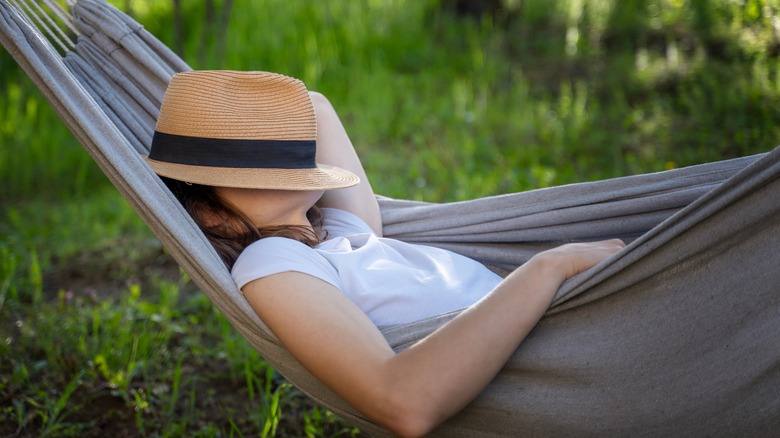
x=322, y=177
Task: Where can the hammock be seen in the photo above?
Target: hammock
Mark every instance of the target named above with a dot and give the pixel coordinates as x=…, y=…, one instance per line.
x=678, y=335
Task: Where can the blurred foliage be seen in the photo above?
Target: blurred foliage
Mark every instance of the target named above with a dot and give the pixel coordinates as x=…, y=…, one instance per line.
x=446, y=106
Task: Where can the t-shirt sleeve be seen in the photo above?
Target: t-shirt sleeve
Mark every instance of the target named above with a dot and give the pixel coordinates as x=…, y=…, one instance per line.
x=341, y=223
x=274, y=255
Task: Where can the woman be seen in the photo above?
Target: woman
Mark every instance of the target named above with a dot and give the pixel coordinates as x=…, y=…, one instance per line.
x=304, y=243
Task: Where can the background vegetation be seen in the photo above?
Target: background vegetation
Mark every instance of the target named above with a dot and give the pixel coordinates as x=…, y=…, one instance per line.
x=101, y=334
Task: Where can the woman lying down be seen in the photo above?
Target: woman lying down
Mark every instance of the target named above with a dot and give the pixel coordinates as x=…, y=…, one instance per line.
x=267, y=171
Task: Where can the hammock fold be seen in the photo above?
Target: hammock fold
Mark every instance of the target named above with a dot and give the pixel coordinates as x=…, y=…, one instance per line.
x=677, y=335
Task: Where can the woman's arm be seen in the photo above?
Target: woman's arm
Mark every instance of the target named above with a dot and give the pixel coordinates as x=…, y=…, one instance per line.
x=412, y=392
x=335, y=148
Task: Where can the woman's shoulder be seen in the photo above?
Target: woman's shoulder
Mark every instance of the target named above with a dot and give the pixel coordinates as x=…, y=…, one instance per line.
x=272, y=255
x=269, y=248
x=341, y=223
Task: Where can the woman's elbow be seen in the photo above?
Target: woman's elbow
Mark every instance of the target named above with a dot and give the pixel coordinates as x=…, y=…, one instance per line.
x=410, y=418
x=410, y=427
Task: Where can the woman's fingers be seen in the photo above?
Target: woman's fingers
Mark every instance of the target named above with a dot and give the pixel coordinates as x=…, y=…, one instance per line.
x=574, y=258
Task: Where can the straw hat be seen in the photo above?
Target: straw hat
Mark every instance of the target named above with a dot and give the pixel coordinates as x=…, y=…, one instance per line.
x=241, y=129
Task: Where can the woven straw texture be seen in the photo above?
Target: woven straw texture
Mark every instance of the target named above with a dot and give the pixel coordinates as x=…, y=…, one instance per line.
x=239, y=105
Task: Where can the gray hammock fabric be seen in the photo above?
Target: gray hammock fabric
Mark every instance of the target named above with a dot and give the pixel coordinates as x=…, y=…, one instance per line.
x=677, y=335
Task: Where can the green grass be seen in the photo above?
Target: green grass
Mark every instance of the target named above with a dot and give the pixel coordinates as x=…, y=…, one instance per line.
x=100, y=333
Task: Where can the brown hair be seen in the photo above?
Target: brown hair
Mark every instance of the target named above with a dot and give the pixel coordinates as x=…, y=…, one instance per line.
x=229, y=230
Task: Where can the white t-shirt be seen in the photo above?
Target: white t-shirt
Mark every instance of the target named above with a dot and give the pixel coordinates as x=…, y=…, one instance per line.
x=393, y=282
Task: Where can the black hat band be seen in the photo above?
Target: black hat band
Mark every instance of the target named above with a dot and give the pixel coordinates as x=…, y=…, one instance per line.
x=238, y=153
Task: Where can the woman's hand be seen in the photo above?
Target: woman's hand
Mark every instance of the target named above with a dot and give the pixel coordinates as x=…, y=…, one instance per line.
x=570, y=259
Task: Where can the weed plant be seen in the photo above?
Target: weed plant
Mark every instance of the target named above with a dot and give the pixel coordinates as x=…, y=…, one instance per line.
x=101, y=334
